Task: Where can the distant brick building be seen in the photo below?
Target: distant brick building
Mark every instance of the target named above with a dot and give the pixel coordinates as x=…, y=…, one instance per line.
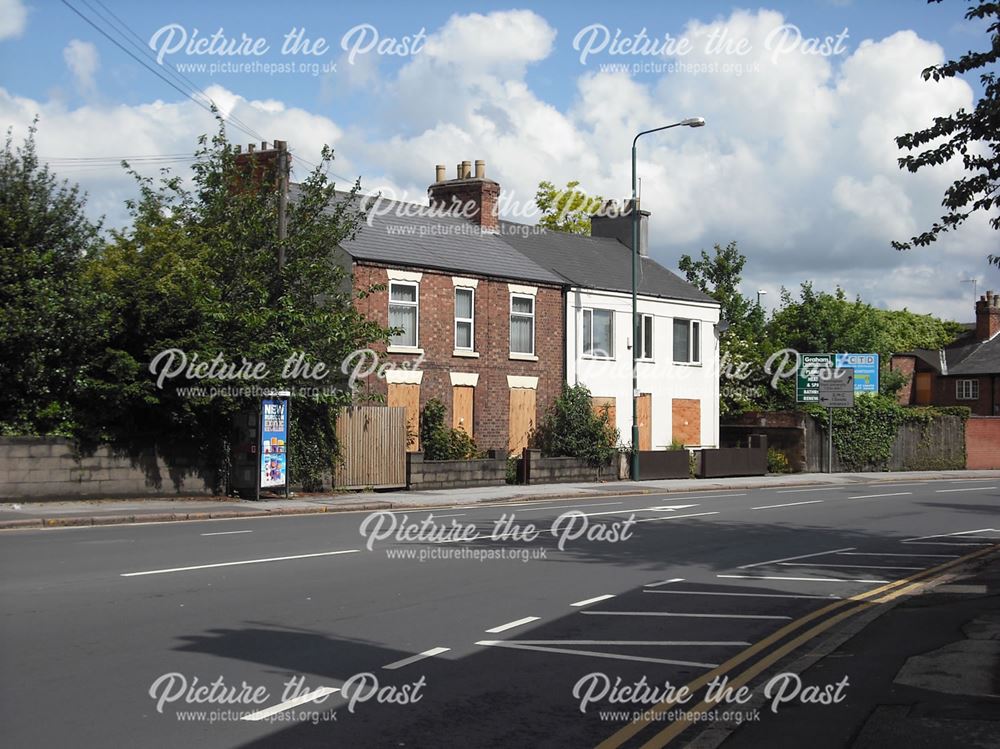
x=965, y=373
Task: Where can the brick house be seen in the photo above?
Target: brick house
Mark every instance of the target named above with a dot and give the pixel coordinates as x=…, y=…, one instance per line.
x=965, y=373
x=481, y=324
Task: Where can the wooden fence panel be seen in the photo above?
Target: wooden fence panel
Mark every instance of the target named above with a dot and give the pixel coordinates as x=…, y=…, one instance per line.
x=372, y=441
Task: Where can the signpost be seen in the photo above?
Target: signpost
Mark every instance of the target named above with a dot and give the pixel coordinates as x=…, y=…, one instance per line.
x=813, y=366
x=836, y=390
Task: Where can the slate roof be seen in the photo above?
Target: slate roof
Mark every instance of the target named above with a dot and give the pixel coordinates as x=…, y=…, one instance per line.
x=439, y=243
x=964, y=357
x=597, y=263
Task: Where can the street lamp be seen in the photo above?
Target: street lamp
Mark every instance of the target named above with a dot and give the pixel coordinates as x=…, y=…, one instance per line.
x=689, y=122
x=760, y=293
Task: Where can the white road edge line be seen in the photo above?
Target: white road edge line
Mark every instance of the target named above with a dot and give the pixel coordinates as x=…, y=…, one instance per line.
x=854, y=566
x=830, y=597
x=788, y=504
x=595, y=599
x=685, y=615
x=970, y=489
x=805, y=579
x=415, y=658
x=664, y=582
x=885, y=554
x=233, y=564
x=667, y=643
x=511, y=625
x=593, y=654
x=677, y=517
x=569, y=507
x=873, y=496
x=288, y=704
x=225, y=533
x=949, y=535
x=792, y=559
x=797, y=491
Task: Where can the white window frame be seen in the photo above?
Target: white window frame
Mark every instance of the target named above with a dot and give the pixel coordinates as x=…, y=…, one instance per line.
x=588, y=331
x=531, y=298
x=967, y=390
x=470, y=320
x=694, y=342
x=642, y=337
x=415, y=304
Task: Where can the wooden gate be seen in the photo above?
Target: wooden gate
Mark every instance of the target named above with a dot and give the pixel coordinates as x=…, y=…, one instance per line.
x=372, y=442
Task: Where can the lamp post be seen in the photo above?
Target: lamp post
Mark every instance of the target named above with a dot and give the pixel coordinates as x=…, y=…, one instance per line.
x=690, y=122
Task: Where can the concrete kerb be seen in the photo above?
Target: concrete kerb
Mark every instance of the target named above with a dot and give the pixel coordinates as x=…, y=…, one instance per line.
x=85, y=520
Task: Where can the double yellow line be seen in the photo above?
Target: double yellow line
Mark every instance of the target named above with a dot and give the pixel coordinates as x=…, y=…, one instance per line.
x=882, y=594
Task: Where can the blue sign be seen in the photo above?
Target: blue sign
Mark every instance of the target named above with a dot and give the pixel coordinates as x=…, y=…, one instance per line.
x=274, y=442
x=865, y=368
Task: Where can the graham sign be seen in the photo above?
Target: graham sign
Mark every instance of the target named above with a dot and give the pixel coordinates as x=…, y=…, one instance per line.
x=815, y=367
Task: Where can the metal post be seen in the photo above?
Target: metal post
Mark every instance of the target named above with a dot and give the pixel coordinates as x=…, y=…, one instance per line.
x=829, y=443
x=635, y=324
x=282, y=201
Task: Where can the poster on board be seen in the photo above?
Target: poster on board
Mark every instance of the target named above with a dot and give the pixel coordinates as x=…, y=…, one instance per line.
x=273, y=442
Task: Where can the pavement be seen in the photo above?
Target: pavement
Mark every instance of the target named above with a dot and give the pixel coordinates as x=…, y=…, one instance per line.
x=544, y=623
x=54, y=513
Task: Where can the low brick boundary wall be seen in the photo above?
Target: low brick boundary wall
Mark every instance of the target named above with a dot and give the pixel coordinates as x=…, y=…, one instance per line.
x=48, y=468
x=982, y=442
x=453, y=474
x=534, y=469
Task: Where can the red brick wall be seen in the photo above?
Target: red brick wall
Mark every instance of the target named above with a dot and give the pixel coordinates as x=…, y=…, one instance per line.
x=905, y=365
x=982, y=442
x=943, y=389
x=492, y=341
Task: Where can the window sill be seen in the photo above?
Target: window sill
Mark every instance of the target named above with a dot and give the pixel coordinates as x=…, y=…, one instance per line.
x=523, y=357
x=465, y=353
x=587, y=357
x=646, y=361
x=687, y=363
x=403, y=349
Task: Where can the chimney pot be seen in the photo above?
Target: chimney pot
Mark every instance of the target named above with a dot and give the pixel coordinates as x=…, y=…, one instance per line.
x=263, y=145
x=439, y=173
x=251, y=147
x=466, y=169
x=458, y=171
x=480, y=169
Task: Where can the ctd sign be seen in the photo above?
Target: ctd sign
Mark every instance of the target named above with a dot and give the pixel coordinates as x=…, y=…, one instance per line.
x=814, y=368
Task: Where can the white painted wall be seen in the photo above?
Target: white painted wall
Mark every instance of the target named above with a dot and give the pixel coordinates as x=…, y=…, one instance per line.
x=661, y=377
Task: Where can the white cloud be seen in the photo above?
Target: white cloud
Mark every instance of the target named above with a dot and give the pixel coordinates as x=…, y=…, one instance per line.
x=13, y=18
x=797, y=163
x=83, y=61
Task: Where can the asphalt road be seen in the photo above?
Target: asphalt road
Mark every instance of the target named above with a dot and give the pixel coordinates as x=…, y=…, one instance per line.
x=467, y=643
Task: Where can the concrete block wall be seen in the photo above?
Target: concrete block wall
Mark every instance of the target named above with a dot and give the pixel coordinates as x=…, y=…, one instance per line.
x=539, y=470
x=454, y=474
x=49, y=468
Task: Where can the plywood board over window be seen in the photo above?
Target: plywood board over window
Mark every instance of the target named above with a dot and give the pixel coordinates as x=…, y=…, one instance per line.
x=923, y=388
x=407, y=396
x=462, y=397
x=522, y=418
x=644, y=418
x=686, y=421
x=600, y=402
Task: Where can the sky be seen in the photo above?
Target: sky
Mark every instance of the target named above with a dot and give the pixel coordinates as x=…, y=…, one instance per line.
x=796, y=163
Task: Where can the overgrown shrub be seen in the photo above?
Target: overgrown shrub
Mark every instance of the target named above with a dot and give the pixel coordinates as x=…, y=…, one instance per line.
x=571, y=428
x=777, y=461
x=441, y=442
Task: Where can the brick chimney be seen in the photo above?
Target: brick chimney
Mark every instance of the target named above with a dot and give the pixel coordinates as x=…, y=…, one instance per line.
x=614, y=223
x=470, y=195
x=266, y=162
x=987, y=316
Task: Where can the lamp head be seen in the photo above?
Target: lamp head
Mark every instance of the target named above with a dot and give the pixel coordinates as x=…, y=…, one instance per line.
x=694, y=122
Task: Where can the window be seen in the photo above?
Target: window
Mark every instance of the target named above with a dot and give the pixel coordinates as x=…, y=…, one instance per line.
x=599, y=333
x=687, y=341
x=403, y=312
x=522, y=324
x=646, y=337
x=967, y=390
x=465, y=318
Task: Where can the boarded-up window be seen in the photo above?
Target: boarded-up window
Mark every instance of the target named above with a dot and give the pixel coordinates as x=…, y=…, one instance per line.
x=522, y=418
x=923, y=388
x=644, y=413
x=462, y=397
x=686, y=421
x=600, y=403
x=408, y=396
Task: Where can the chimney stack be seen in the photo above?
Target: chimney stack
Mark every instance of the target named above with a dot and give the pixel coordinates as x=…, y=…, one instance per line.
x=265, y=164
x=613, y=223
x=475, y=198
x=987, y=316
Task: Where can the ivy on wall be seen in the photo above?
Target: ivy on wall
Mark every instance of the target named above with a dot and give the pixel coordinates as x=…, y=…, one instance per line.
x=864, y=435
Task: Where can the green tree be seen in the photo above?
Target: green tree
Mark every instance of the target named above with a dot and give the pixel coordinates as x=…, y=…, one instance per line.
x=440, y=441
x=47, y=325
x=975, y=136
x=570, y=427
x=568, y=210
x=197, y=271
